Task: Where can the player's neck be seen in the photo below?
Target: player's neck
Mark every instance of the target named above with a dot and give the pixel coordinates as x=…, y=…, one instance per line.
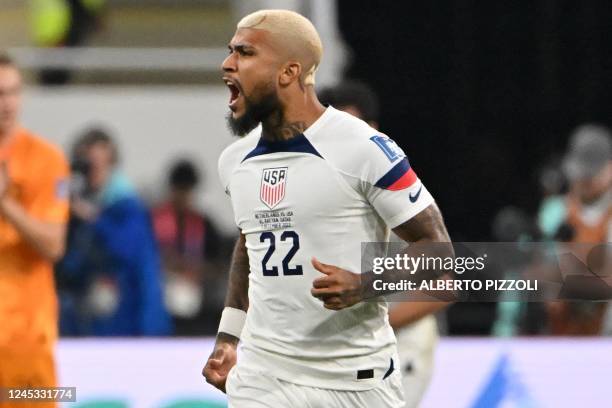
x=294, y=119
x=277, y=128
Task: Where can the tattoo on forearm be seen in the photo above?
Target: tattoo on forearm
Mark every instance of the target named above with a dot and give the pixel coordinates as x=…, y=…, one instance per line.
x=238, y=287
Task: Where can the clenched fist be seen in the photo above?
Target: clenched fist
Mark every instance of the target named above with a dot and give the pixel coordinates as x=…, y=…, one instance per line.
x=220, y=362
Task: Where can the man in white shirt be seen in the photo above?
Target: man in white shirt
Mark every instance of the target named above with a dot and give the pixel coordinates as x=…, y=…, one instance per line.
x=307, y=188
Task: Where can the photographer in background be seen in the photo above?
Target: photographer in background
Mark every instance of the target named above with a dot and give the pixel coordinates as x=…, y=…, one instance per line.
x=583, y=215
x=110, y=278
x=192, y=252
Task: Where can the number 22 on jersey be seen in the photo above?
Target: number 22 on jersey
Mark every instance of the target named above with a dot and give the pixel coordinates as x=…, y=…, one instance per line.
x=269, y=237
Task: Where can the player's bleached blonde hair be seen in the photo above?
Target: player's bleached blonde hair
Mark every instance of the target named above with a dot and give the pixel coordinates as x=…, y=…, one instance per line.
x=293, y=31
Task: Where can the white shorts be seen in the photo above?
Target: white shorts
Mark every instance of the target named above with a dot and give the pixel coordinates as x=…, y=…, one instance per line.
x=248, y=388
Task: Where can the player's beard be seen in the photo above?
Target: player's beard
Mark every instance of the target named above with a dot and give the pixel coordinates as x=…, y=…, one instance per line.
x=255, y=112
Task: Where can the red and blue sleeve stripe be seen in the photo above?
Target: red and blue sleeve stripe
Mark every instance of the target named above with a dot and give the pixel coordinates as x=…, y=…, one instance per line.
x=401, y=176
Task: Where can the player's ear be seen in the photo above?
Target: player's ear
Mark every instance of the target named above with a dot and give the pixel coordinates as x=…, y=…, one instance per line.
x=290, y=72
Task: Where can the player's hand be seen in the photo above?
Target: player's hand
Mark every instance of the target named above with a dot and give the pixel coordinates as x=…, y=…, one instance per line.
x=338, y=289
x=220, y=362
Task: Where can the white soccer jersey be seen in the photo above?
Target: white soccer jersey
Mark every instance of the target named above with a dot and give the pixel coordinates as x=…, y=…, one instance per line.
x=320, y=194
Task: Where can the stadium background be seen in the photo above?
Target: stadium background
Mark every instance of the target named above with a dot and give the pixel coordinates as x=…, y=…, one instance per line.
x=482, y=95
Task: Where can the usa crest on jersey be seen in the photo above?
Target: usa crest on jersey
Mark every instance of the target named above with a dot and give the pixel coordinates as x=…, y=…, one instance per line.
x=273, y=183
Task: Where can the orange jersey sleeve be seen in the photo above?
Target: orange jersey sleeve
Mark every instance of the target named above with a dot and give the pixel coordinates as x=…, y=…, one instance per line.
x=38, y=174
x=50, y=202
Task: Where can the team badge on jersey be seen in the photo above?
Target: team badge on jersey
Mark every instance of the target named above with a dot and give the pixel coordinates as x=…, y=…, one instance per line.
x=389, y=147
x=273, y=183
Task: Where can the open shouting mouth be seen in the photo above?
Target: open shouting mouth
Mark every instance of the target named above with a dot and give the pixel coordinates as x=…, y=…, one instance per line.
x=234, y=92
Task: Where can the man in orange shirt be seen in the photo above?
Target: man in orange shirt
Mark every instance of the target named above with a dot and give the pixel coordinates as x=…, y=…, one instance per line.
x=33, y=215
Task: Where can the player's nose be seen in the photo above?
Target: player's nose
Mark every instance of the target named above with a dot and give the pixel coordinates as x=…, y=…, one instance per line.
x=229, y=63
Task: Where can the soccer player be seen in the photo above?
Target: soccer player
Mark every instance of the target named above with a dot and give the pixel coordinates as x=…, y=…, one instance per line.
x=33, y=215
x=307, y=188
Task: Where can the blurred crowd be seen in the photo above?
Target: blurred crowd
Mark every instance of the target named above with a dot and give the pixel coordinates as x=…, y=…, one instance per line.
x=575, y=208
x=134, y=269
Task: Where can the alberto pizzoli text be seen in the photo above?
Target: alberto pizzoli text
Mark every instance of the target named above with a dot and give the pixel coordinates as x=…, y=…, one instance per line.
x=458, y=285
x=458, y=265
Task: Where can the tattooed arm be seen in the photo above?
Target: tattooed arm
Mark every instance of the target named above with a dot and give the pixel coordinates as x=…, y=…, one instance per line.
x=223, y=357
x=237, y=291
x=428, y=226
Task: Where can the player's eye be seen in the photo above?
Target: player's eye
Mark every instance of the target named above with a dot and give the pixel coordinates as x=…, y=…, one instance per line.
x=241, y=51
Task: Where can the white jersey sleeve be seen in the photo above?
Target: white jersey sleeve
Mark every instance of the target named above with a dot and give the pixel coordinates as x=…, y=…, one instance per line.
x=376, y=167
x=389, y=182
